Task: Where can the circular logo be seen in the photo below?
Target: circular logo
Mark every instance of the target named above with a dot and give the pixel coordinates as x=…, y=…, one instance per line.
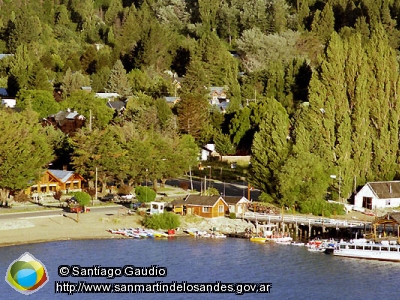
x=26, y=274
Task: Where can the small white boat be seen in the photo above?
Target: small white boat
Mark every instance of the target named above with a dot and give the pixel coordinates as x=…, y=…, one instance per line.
x=298, y=244
x=218, y=235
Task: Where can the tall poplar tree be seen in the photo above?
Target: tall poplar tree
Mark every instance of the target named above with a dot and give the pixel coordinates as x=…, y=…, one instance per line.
x=271, y=147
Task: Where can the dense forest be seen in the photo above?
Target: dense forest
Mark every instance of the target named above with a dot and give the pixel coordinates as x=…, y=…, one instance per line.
x=312, y=87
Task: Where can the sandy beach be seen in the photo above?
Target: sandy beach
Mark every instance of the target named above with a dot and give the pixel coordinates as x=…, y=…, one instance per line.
x=60, y=225
x=64, y=226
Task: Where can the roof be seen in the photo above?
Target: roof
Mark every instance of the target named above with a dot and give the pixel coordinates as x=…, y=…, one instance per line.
x=3, y=92
x=107, y=95
x=171, y=99
x=389, y=218
x=61, y=174
x=234, y=199
x=117, y=105
x=2, y=55
x=63, y=115
x=203, y=200
x=385, y=189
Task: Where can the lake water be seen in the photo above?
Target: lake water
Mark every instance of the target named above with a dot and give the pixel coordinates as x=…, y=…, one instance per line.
x=294, y=272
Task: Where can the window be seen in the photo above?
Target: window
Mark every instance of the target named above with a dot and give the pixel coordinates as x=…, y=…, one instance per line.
x=206, y=209
x=220, y=208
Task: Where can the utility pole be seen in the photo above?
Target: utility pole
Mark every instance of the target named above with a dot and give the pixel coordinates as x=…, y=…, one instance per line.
x=191, y=181
x=95, y=187
x=90, y=120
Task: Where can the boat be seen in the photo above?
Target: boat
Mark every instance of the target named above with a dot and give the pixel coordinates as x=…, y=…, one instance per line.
x=266, y=232
x=298, y=244
x=218, y=235
x=258, y=239
x=158, y=234
x=368, y=250
x=321, y=246
x=281, y=239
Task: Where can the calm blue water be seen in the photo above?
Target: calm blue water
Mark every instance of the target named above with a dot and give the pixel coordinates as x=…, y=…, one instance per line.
x=294, y=272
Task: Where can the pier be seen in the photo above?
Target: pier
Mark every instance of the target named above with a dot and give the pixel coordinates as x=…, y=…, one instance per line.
x=306, y=227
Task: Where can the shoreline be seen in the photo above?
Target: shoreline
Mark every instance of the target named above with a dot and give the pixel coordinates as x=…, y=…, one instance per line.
x=92, y=225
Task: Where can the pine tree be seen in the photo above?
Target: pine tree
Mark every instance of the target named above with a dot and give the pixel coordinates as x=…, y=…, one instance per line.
x=118, y=81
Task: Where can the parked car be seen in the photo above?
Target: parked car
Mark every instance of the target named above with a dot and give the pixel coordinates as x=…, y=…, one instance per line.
x=76, y=209
x=127, y=197
x=109, y=197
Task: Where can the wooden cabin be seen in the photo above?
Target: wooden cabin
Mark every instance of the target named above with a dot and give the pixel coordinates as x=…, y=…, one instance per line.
x=206, y=206
x=56, y=180
x=237, y=205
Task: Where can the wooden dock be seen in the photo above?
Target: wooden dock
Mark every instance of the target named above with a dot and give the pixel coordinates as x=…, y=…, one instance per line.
x=307, y=226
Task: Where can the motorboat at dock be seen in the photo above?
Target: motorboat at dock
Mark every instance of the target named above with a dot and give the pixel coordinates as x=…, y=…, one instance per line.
x=368, y=250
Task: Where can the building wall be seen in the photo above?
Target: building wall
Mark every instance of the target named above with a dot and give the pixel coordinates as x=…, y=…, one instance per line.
x=214, y=211
x=364, y=192
x=376, y=202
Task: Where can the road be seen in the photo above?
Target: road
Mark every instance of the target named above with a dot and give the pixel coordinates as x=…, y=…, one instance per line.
x=225, y=188
x=53, y=212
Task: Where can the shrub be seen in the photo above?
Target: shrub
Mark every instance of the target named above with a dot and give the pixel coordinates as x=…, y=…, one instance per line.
x=165, y=220
x=145, y=194
x=21, y=197
x=124, y=189
x=320, y=207
x=232, y=215
x=82, y=198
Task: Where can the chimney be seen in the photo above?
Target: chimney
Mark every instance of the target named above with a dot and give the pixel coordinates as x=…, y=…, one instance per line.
x=64, y=167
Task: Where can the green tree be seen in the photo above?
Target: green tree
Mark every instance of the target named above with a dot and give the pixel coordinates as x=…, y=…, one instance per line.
x=40, y=101
x=82, y=198
x=25, y=29
x=99, y=149
x=223, y=144
x=271, y=147
x=21, y=68
x=74, y=81
x=145, y=194
x=302, y=179
x=323, y=23
x=87, y=104
x=24, y=153
x=39, y=79
x=192, y=115
x=118, y=81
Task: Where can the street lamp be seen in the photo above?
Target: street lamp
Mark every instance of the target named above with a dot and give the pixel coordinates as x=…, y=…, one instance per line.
x=210, y=173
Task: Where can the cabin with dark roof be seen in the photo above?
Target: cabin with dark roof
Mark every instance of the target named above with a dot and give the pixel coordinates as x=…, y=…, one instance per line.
x=204, y=206
x=67, y=121
x=381, y=194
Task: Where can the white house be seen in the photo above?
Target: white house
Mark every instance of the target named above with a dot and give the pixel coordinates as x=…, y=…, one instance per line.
x=237, y=204
x=8, y=102
x=378, y=195
x=208, y=151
